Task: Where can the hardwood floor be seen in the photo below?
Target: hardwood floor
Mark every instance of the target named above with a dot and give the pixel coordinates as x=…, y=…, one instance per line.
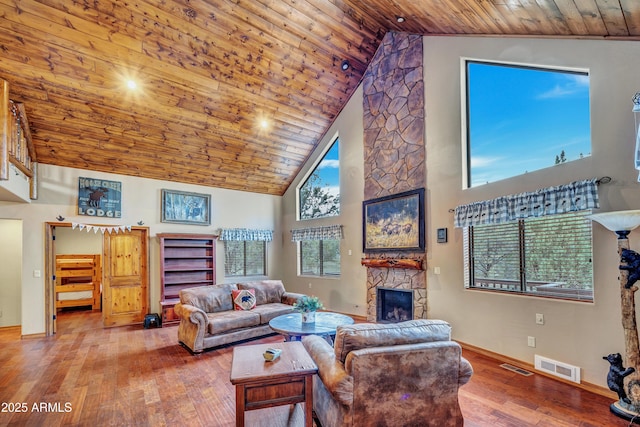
x=90, y=376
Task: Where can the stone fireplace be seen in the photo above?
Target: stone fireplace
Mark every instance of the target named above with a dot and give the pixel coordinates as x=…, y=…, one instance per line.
x=395, y=157
x=412, y=281
x=394, y=305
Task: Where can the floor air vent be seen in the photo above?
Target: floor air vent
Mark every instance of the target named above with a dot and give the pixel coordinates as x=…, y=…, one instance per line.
x=516, y=369
x=559, y=369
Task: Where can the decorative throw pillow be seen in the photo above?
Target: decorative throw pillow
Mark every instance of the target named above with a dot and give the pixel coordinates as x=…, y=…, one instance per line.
x=267, y=291
x=244, y=299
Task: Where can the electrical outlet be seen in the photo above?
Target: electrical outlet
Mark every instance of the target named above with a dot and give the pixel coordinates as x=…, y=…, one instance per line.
x=539, y=318
x=531, y=341
x=309, y=285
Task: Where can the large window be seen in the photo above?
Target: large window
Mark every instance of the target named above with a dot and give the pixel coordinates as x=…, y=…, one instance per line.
x=318, y=250
x=320, y=257
x=523, y=118
x=319, y=195
x=244, y=258
x=549, y=256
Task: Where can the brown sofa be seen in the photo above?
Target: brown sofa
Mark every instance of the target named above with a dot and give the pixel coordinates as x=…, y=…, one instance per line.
x=398, y=374
x=208, y=318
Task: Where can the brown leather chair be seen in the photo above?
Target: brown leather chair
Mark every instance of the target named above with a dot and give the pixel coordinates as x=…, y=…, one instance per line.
x=398, y=374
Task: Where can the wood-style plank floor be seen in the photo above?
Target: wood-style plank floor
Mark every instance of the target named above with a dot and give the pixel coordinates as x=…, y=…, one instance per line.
x=130, y=376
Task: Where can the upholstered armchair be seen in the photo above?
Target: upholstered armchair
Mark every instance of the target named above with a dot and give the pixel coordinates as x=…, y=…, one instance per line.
x=398, y=374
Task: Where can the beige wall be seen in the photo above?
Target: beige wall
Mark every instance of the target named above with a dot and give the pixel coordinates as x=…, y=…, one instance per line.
x=72, y=241
x=574, y=333
x=348, y=293
x=58, y=194
x=10, y=271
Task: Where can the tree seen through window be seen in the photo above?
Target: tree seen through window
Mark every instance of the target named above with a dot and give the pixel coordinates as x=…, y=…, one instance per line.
x=319, y=196
x=547, y=256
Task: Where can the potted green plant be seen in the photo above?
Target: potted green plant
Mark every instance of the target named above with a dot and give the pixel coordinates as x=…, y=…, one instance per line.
x=307, y=306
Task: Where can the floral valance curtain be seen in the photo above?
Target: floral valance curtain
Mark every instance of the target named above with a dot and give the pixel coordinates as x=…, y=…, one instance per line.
x=331, y=232
x=243, y=234
x=576, y=196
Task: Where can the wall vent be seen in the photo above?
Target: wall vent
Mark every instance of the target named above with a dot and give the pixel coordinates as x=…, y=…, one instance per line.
x=516, y=369
x=558, y=369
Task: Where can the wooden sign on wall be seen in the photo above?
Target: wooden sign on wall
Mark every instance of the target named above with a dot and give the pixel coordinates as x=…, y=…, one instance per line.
x=99, y=197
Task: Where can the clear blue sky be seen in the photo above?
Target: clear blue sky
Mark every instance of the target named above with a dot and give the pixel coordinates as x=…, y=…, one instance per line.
x=522, y=118
x=328, y=169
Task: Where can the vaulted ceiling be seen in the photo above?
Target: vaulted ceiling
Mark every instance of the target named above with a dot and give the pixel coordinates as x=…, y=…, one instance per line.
x=230, y=93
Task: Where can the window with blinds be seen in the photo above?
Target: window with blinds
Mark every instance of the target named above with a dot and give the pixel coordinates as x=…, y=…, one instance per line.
x=244, y=258
x=549, y=256
x=320, y=257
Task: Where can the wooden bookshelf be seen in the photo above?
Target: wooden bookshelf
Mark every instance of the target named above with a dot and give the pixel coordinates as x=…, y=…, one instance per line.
x=186, y=261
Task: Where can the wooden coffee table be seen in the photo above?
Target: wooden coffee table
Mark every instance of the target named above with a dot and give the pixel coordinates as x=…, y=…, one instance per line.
x=292, y=328
x=285, y=381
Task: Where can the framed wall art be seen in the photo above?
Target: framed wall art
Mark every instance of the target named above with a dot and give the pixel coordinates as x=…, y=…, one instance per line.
x=99, y=197
x=394, y=223
x=180, y=207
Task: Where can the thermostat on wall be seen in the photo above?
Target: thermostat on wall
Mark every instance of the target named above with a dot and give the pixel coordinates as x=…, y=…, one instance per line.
x=442, y=235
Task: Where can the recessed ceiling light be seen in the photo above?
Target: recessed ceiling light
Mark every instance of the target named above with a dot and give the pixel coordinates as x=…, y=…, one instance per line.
x=400, y=19
x=131, y=84
x=345, y=65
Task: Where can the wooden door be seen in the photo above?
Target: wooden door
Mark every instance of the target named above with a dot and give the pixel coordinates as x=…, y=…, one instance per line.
x=49, y=273
x=125, y=294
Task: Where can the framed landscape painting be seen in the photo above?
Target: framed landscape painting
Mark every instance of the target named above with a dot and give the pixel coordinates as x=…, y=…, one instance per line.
x=181, y=207
x=394, y=223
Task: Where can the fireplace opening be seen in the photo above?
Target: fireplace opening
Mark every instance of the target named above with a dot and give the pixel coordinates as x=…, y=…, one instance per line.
x=394, y=305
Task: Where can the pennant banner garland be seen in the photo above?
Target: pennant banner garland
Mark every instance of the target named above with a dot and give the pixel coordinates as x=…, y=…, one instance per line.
x=101, y=228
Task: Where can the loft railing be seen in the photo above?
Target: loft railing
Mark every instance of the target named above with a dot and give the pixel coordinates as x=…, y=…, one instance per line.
x=16, y=147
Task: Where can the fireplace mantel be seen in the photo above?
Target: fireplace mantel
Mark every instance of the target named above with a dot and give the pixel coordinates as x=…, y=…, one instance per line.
x=406, y=263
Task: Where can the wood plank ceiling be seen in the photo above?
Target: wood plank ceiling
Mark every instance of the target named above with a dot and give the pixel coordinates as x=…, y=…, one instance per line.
x=210, y=71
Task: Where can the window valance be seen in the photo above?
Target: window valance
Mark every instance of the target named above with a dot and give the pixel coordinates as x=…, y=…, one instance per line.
x=242, y=234
x=576, y=196
x=330, y=232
